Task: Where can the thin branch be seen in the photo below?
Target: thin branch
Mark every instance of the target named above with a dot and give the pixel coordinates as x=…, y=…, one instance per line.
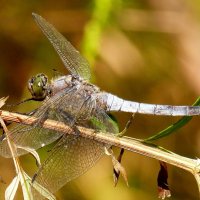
x=130, y=144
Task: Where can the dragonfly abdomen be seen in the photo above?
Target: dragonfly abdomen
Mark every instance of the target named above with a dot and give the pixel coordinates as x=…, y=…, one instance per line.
x=114, y=103
x=168, y=110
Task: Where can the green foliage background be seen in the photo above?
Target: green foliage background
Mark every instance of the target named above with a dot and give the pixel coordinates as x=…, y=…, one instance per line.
x=145, y=51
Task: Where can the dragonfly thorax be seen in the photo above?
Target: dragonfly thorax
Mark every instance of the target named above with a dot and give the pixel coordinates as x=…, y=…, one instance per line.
x=38, y=87
x=64, y=82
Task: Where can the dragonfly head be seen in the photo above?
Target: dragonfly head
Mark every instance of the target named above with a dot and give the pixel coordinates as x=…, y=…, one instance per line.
x=38, y=87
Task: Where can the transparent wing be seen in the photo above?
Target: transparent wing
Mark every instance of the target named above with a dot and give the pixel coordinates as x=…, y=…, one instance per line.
x=73, y=61
x=73, y=156
x=28, y=138
x=35, y=137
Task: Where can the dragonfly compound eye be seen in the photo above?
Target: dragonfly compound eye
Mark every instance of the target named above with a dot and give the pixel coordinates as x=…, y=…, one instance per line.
x=38, y=87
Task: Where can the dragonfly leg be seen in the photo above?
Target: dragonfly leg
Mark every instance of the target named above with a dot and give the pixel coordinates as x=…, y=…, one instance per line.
x=67, y=118
x=76, y=131
x=71, y=121
x=3, y=136
x=120, y=134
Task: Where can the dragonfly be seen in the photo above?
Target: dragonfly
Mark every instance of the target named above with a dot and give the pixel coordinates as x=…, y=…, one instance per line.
x=73, y=100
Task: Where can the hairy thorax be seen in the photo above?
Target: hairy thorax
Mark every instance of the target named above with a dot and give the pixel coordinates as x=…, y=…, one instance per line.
x=69, y=81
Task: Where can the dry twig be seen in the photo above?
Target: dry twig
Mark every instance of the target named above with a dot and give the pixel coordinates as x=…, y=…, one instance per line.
x=130, y=144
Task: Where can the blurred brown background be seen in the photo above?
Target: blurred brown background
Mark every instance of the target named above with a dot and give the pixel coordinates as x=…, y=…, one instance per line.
x=149, y=52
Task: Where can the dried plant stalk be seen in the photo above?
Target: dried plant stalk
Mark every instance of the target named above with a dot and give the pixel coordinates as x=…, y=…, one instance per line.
x=130, y=144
